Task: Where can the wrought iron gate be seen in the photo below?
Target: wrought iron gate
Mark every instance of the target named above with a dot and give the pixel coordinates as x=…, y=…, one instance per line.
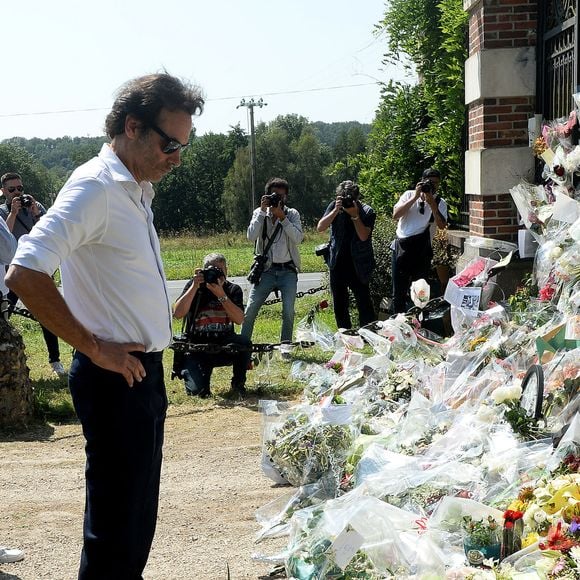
x=558, y=62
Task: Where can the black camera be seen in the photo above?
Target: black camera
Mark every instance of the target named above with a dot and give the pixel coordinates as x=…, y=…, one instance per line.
x=212, y=274
x=257, y=269
x=274, y=199
x=25, y=200
x=347, y=200
x=427, y=186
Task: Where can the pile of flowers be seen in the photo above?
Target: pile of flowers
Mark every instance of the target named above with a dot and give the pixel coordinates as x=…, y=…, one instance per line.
x=416, y=460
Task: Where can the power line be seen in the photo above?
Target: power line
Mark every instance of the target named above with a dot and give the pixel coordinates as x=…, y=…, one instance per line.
x=294, y=92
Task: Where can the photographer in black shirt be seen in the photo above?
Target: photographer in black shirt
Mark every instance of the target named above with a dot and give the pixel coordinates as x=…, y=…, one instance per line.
x=211, y=305
x=351, y=259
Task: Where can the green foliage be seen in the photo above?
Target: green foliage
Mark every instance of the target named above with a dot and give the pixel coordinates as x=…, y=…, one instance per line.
x=381, y=281
x=430, y=36
x=210, y=191
x=181, y=254
x=60, y=156
x=190, y=197
x=330, y=133
x=348, y=150
x=286, y=147
x=393, y=160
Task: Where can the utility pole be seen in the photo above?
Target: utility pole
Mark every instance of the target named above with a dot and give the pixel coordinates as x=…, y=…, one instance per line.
x=251, y=104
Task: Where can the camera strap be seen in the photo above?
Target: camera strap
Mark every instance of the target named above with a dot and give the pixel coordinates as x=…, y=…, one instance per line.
x=271, y=239
x=23, y=224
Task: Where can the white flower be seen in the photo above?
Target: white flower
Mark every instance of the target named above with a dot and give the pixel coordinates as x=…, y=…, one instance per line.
x=540, y=516
x=486, y=414
x=503, y=394
x=420, y=292
x=559, y=483
x=575, y=554
x=556, y=252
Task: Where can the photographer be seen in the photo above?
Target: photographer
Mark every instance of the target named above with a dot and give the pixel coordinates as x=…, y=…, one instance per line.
x=211, y=305
x=21, y=212
x=419, y=212
x=351, y=260
x=278, y=226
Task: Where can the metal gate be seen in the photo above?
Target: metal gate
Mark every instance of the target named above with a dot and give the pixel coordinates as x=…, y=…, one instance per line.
x=558, y=62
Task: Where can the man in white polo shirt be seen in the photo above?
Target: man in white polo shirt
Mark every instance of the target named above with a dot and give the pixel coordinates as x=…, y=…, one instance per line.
x=418, y=212
x=115, y=312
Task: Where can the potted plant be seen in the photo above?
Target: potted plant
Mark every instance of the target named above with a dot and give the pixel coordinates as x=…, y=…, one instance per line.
x=481, y=540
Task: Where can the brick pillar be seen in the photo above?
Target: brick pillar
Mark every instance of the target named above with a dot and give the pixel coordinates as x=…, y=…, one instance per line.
x=500, y=88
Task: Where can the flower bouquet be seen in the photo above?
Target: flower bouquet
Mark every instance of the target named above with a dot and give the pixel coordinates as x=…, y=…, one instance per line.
x=304, y=448
x=481, y=539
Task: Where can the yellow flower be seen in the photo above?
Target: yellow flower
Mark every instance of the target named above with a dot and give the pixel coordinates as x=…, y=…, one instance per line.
x=517, y=506
x=530, y=539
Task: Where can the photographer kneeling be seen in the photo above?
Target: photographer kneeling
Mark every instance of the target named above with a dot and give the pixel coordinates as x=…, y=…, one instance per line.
x=211, y=305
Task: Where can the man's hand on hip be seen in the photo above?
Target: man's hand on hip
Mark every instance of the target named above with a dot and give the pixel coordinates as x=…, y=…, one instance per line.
x=115, y=356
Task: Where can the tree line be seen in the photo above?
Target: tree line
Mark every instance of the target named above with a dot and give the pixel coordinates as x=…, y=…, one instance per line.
x=210, y=191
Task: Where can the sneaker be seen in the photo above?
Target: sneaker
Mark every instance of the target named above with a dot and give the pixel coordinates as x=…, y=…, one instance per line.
x=9, y=555
x=58, y=369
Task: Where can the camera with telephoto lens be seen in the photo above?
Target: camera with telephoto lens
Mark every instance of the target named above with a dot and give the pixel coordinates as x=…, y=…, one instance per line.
x=274, y=199
x=427, y=186
x=212, y=274
x=257, y=269
x=347, y=200
x=25, y=200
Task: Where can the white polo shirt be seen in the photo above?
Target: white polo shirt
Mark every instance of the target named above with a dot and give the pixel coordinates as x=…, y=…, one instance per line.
x=414, y=222
x=100, y=232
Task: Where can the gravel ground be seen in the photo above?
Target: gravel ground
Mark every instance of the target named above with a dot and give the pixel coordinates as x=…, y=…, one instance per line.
x=211, y=486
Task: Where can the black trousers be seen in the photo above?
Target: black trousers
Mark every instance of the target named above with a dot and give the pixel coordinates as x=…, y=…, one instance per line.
x=200, y=365
x=50, y=339
x=343, y=277
x=411, y=261
x=123, y=428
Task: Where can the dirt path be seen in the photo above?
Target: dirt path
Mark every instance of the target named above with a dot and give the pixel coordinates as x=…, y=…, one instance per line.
x=210, y=488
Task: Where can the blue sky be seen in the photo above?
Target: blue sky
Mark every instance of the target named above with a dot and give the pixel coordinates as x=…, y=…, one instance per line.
x=71, y=55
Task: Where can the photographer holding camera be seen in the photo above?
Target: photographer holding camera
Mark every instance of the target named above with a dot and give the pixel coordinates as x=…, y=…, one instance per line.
x=21, y=212
x=277, y=230
x=211, y=306
x=351, y=259
x=419, y=212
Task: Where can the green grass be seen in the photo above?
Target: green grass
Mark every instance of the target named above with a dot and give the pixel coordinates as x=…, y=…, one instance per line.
x=269, y=380
x=181, y=254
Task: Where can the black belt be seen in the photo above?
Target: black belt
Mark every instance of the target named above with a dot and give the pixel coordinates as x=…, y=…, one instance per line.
x=289, y=264
x=148, y=356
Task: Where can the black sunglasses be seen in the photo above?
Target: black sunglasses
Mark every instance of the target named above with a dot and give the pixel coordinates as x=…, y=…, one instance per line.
x=20, y=188
x=173, y=144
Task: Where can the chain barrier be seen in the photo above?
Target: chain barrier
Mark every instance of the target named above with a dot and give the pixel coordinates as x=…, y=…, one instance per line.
x=7, y=309
x=298, y=295
x=180, y=344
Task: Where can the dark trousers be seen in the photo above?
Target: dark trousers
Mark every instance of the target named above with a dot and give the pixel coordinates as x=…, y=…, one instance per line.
x=50, y=339
x=123, y=429
x=199, y=366
x=405, y=270
x=343, y=277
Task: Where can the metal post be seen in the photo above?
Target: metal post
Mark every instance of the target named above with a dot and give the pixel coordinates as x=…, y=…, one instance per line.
x=253, y=157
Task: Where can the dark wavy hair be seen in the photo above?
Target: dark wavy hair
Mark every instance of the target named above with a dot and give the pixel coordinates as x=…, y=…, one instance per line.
x=145, y=97
x=348, y=188
x=278, y=183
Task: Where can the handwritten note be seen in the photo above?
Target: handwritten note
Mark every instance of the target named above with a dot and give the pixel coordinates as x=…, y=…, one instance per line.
x=345, y=546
